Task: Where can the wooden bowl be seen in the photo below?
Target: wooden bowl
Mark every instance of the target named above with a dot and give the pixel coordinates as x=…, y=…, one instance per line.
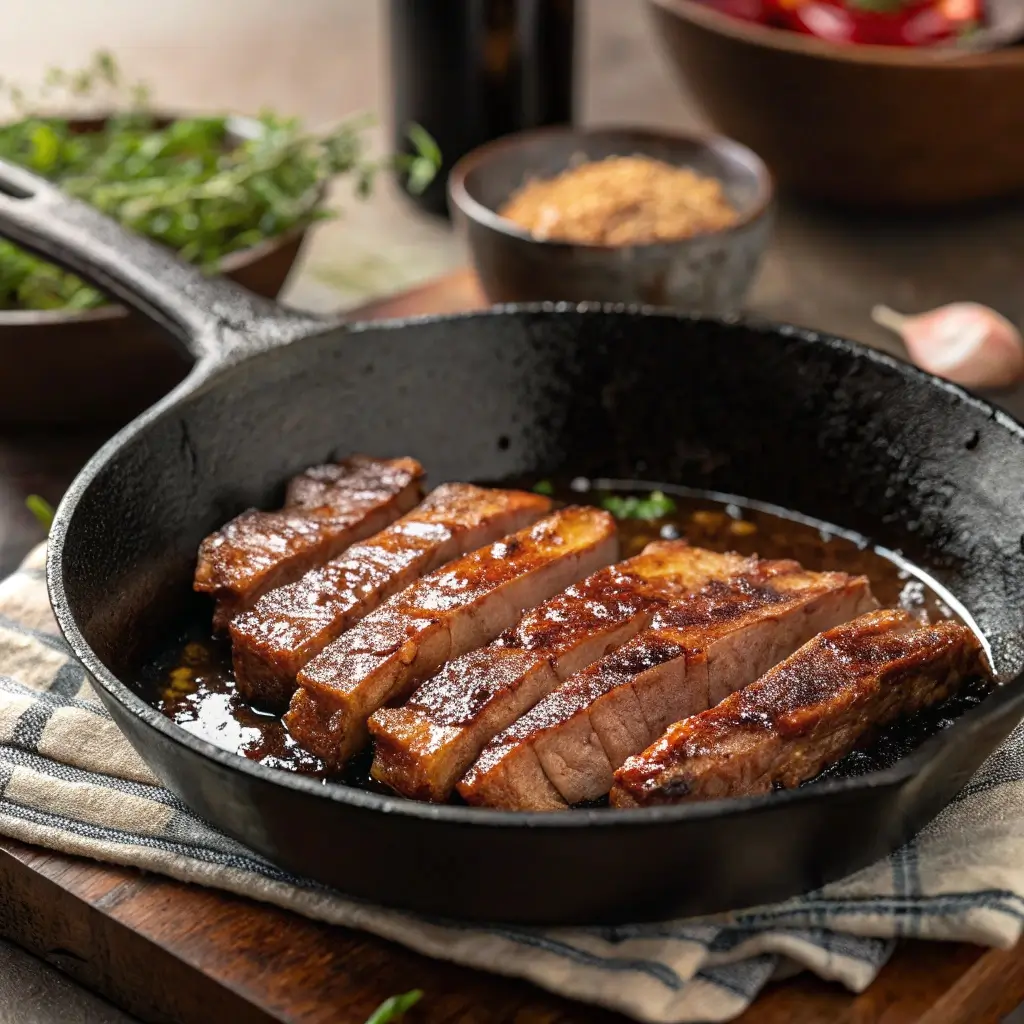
x=865, y=126
x=106, y=365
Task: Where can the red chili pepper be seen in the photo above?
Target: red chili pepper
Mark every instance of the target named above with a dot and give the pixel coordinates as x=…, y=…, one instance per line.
x=877, y=22
x=928, y=26
x=912, y=24
x=822, y=19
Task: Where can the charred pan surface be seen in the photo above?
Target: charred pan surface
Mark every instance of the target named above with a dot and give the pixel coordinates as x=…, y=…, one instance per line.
x=805, y=713
x=291, y=624
x=423, y=747
x=332, y=507
x=453, y=610
x=696, y=652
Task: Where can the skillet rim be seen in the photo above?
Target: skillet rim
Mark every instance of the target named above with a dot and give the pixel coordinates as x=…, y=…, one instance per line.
x=206, y=372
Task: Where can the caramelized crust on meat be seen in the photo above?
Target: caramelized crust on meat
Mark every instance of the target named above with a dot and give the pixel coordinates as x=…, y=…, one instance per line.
x=453, y=610
x=290, y=625
x=331, y=508
x=697, y=651
x=423, y=747
x=318, y=487
x=805, y=713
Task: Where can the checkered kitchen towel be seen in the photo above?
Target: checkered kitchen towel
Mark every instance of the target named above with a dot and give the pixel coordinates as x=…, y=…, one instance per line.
x=68, y=780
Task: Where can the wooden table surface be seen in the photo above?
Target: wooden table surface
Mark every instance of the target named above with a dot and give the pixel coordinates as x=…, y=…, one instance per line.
x=172, y=952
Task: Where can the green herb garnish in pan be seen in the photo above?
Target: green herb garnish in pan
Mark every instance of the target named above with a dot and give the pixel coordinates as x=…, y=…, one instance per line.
x=193, y=185
x=654, y=505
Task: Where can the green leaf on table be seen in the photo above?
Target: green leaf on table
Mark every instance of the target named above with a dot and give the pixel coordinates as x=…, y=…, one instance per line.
x=422, y=166
x=395, y=1008
x=424, y=143
x=654, y=505
x=41, y=509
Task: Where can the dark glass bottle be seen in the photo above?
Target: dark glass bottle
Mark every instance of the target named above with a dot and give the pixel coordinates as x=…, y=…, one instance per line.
x=472, y=70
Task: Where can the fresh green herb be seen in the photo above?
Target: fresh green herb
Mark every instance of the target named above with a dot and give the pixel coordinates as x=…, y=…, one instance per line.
x=194, y=184
x=420, y=167
x=544, y=487
x=654, y=505
x=395, y=1008
x=41, y=509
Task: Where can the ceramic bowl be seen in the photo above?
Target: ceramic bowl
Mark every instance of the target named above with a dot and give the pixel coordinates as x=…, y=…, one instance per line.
x=709, y=272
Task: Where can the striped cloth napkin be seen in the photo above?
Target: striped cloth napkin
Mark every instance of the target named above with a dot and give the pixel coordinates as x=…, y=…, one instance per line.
x=71, y=782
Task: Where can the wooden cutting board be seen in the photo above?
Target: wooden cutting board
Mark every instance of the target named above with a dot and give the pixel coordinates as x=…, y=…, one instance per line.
x=169, y=952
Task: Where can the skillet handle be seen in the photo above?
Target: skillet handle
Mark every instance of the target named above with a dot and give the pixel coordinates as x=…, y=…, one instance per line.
x=210, y=317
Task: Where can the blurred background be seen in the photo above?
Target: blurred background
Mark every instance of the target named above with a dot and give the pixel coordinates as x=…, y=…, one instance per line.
x=826, y=266
x=322, y=60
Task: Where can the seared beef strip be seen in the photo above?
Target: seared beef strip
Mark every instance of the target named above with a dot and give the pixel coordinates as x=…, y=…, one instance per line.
x=696, y=653
x=441, y=616
x=332, y=507
x=318, y=486
x=292, y=624
x=805, y=713
x=424, y=746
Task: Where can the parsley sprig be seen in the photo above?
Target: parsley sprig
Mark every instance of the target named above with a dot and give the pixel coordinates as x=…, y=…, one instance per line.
x=653, y=505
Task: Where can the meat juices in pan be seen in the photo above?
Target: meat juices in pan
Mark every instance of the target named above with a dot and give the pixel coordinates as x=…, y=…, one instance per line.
x=290, y=625
x=329, y=508
x=806, y=712
x=191, y=680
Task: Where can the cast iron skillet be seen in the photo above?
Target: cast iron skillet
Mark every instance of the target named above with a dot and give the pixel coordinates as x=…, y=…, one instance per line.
x=775, y=413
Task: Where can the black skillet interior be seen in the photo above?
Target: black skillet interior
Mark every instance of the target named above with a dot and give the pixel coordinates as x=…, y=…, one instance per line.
x=773, y=413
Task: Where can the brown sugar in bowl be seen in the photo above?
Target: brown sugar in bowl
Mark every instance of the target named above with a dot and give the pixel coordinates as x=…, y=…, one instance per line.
x=709, y=271
x=621, y=200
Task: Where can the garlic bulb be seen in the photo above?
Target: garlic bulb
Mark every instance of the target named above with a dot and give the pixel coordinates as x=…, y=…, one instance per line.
x=964, y=342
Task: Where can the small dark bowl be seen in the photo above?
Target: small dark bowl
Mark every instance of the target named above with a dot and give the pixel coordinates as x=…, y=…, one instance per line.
x=709, y=272
x=106, y=365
